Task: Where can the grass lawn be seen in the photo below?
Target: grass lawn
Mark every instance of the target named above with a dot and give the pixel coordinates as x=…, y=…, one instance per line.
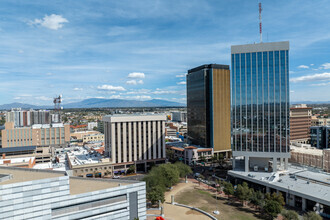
x=206, y=201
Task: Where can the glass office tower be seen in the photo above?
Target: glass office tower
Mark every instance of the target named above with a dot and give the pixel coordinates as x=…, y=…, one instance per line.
x=260, y=103
x=208, y=107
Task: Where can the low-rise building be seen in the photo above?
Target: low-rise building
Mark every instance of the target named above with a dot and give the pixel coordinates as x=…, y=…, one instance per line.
x=188, y=154
x=56, y=135
x=91, y=125
x=320, y=121
x=45, y=194
x=303, y=188
x=41, y=154
x=99, y=137
x=179, y=116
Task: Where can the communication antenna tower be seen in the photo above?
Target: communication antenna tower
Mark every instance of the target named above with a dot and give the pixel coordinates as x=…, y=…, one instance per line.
x=260, y=23
x=57, y=103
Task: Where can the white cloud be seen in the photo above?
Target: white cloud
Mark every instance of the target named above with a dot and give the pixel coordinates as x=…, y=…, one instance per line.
x=310, y=78
x=44, y=98
x=303, y=67
x=20, y=51
x=321, y=84
x=325, y=66
x=312, y=64
x=181, y=75
x=77, y=89
x=49, y=74
x=140, y=91
x=159, y=92
x=140, y=97
x=292, y=91
x=111, y=88
x=115, y=97
x=181, y=83
x=134, y=82
x=52, y=21
x=136, y=75
x=291, y=72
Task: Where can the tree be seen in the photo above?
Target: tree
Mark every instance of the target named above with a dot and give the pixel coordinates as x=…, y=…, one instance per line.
x=290, y=215
x=131, y=169
x=228, y=189
x=183, y=169
x=272, y=208
x=243, y=192
x=279, y=198
x=156, y=194
x=312, y=216
x=170, y=155
x=257, y=198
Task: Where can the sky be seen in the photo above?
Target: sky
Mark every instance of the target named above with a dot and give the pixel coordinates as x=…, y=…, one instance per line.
x=142, y=49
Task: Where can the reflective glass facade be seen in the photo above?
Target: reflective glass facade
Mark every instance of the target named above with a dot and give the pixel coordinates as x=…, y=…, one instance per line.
x=208, y=106
x=260, y=97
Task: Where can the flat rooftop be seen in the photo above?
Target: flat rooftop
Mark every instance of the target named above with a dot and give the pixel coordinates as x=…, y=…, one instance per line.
x=80, y=185
x=134, y=117
x=25, y=174
x=309, y=184
x=80, y=156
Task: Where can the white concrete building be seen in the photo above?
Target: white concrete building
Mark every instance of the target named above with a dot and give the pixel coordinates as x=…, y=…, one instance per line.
x=45, y=194
x=91, y=125
x=138, y=138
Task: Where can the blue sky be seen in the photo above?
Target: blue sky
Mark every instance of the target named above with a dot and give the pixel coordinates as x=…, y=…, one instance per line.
x=142, y=49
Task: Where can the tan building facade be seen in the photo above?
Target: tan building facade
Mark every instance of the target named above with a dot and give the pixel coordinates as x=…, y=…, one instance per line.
x=300, y=123
x=36, y=135
x=132, y=138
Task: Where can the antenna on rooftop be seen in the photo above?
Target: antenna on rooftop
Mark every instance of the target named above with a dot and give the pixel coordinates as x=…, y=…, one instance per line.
x=260, y=23
x=57, y=103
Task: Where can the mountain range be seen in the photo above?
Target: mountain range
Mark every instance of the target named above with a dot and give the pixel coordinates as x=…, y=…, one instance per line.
x=100, y=103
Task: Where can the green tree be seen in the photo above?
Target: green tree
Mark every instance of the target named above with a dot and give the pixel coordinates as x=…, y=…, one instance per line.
x=312, y=216
x=170, y=155
x=155, y=194
x=279, y=198
x=243, y=192
x=290, y=215
x=183, y=169
x=257, y=198
x=131, y=169
x=228, y=189
x=272, y=208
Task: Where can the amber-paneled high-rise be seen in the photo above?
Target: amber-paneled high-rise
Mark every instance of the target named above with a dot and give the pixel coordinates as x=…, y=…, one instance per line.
x=208, y=106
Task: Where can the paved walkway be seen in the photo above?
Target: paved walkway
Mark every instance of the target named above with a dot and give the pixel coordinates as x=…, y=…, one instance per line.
x=173, y=212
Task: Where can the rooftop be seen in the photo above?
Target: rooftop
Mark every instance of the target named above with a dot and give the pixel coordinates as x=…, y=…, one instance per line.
x=209, y=66
x=310, y=184
x=80, y=156
x=80, y=185
x=25, y=174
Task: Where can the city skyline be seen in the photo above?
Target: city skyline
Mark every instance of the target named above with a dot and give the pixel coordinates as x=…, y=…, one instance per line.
x=143, y=50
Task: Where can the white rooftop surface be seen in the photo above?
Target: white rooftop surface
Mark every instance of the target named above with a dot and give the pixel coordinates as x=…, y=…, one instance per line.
x=81, y=156
x=318, y=187
x=17, y=160
x=304, y=150
x=51, y=166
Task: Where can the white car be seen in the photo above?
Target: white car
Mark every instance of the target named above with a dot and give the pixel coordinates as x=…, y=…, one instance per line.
x=115, y=177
